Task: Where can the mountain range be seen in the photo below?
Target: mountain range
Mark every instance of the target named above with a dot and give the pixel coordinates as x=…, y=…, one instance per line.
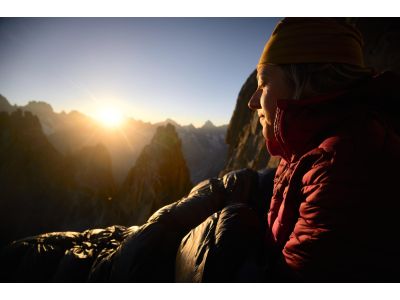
x=44, y=190
x=204, y=148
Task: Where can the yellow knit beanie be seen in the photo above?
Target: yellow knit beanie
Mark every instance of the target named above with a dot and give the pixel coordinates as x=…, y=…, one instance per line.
x=313, y=40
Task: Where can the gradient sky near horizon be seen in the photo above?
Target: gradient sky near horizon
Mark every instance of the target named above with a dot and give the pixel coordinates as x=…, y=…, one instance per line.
x=186, y=69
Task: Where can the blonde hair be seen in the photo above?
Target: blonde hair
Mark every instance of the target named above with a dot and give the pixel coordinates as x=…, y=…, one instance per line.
x=323, y=77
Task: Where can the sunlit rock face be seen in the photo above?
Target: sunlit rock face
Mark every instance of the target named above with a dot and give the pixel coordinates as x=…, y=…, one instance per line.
x=204, y=148
x=244, y=137
x=159, y=177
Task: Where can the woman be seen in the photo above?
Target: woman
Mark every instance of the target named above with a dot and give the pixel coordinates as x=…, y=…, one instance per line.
x=333, y=213
x=334, y=207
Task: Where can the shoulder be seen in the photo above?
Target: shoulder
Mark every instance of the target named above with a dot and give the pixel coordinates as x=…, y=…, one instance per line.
x=365, y=133
x=349, y=155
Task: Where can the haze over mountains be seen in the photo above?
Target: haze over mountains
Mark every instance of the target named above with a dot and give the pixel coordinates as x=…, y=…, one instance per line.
x=204, y=148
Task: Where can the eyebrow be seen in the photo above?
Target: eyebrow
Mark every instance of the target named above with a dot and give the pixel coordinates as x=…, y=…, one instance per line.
x=262, y=78
x=262, y=75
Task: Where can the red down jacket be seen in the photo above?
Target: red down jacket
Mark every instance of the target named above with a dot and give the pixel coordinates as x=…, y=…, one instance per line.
x=335, y=210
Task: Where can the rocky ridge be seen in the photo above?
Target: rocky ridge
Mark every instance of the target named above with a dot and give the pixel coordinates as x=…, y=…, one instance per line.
x=159, y=177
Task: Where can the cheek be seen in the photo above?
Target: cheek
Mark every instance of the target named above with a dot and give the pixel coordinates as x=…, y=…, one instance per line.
x=269, y=104
x=268, y=132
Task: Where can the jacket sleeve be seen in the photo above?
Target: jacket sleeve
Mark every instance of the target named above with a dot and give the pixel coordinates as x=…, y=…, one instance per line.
x=326, y=235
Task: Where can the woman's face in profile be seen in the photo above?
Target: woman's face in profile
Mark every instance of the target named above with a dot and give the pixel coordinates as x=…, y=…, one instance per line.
x=272, y=85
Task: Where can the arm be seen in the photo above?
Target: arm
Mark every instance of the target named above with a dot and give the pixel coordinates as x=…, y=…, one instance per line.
x=325, y=241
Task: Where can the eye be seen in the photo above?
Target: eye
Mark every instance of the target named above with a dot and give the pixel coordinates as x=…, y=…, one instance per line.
x=262, y=82
x=263, y=85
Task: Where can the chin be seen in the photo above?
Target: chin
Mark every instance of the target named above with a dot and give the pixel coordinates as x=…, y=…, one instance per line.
x=265, y=133
x=268, y=133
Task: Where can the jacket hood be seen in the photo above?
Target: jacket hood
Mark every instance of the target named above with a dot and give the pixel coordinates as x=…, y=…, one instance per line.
x=301, y=124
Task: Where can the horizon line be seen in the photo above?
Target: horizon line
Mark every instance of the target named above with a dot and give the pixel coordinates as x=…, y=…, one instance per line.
x=166, y=120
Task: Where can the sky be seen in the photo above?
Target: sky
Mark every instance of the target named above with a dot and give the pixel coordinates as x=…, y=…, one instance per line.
x=187, y=69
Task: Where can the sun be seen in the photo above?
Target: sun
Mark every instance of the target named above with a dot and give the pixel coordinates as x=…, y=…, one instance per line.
x=110, y=117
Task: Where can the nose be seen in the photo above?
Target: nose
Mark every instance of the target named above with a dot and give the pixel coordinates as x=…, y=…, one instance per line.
x=254, y=102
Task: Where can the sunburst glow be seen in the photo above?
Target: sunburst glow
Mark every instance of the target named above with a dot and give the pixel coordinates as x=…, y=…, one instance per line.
x=110, y=117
